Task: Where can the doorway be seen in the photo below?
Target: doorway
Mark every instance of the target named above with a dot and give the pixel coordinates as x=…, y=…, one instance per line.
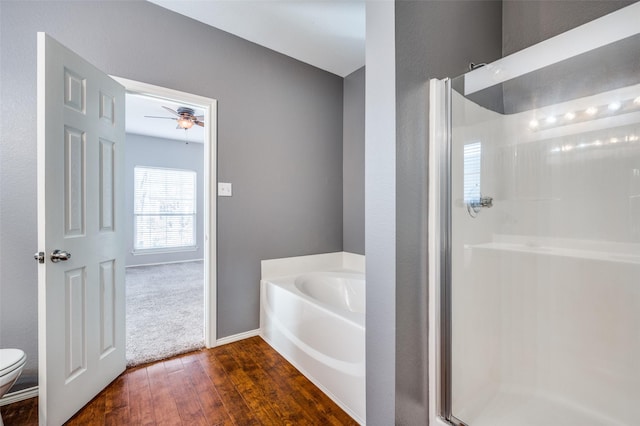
x=170, y=249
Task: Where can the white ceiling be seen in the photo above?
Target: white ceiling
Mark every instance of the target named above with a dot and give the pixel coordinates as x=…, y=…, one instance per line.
x=328, y=34
x=137, y=106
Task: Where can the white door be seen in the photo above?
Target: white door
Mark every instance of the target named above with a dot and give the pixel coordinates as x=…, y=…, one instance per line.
x=81, y=299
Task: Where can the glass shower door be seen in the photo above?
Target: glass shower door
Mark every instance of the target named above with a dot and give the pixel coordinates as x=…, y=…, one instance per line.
x=544, y=291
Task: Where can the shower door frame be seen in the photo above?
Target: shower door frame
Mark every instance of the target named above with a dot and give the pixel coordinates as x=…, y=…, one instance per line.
x=602, y=31
x=440, y=302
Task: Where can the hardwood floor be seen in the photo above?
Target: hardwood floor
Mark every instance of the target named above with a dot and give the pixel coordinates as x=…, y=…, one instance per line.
x=242, y=383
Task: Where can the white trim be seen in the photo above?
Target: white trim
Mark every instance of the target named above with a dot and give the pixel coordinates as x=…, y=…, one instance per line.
x=171, y=95
x=164, y=263
x=210, y=107
x=436, y=141
x=40, y=178
x=608, y=29
x=18, y=396
x=152, y=251
x=238, y=337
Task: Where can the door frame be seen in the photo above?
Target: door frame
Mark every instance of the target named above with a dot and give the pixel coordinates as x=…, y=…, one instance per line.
x=210, y=107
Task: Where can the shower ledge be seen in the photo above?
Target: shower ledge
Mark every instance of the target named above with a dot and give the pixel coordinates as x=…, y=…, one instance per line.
x=579, y=249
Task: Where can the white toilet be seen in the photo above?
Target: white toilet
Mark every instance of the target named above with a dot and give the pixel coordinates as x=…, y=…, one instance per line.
x=11, y=364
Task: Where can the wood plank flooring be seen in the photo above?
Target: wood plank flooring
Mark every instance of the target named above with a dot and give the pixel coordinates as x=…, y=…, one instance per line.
x=242, y=383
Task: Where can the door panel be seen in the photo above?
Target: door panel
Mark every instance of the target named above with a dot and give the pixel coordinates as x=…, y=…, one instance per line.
x=75, y=320
x=107, y=307
x=106, y=185
x=80, y=209
x=74, y=175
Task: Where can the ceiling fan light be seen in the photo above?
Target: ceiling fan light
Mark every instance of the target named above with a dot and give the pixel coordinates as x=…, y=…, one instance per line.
x=185, y=123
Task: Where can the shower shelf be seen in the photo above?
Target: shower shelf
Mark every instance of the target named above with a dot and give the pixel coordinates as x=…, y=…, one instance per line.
x=610, y=252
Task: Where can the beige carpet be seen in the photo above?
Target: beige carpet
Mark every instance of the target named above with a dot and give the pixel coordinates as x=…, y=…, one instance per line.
x=165, y=311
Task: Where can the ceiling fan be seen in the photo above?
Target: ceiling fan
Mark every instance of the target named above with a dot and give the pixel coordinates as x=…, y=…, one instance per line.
x=185, y=117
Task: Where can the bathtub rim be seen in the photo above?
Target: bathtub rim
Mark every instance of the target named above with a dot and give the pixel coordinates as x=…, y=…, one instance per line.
x=305, y=284
x=287, y=283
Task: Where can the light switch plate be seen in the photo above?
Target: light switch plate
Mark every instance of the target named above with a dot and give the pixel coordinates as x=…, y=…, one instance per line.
x=224, y=189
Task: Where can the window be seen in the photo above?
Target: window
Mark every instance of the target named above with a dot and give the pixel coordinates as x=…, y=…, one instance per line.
x=472, y=162
x=164, y=209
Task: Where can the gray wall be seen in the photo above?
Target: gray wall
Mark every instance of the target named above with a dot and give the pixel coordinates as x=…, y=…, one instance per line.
x=156, y=152
x=432, y=41
x=353, y=162
x=279, y=143
x=526, y=23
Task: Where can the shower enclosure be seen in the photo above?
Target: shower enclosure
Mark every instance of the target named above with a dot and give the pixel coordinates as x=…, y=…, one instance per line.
x=538, y=238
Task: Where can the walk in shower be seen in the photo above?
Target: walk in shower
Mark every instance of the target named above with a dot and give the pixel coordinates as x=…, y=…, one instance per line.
x=538, y=238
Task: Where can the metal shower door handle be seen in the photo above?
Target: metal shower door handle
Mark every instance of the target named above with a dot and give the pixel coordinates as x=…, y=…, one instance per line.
x=485, y=202
x=473, y=207
x=59, y=256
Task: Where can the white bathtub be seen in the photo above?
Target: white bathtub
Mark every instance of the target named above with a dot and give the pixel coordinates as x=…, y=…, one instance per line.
x=317, y=322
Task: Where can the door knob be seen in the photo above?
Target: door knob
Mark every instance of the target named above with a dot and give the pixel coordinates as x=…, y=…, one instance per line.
x=59, y=256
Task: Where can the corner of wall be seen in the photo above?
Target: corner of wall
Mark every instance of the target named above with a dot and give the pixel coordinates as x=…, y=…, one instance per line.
x=380, y=215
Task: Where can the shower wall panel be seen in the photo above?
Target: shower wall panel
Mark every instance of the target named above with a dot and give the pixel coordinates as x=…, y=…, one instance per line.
x=546, y=303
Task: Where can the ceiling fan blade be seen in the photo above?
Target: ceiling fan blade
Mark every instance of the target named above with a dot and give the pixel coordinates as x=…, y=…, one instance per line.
x=153, y=116
x=171, y=111
x=199, y=123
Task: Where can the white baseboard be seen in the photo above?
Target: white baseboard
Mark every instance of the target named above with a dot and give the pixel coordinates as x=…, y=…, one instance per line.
x=18, y=396
x=237, y=337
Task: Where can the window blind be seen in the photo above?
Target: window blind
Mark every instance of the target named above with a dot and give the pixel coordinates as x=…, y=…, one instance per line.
x=472, y=170
x=164, y=208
